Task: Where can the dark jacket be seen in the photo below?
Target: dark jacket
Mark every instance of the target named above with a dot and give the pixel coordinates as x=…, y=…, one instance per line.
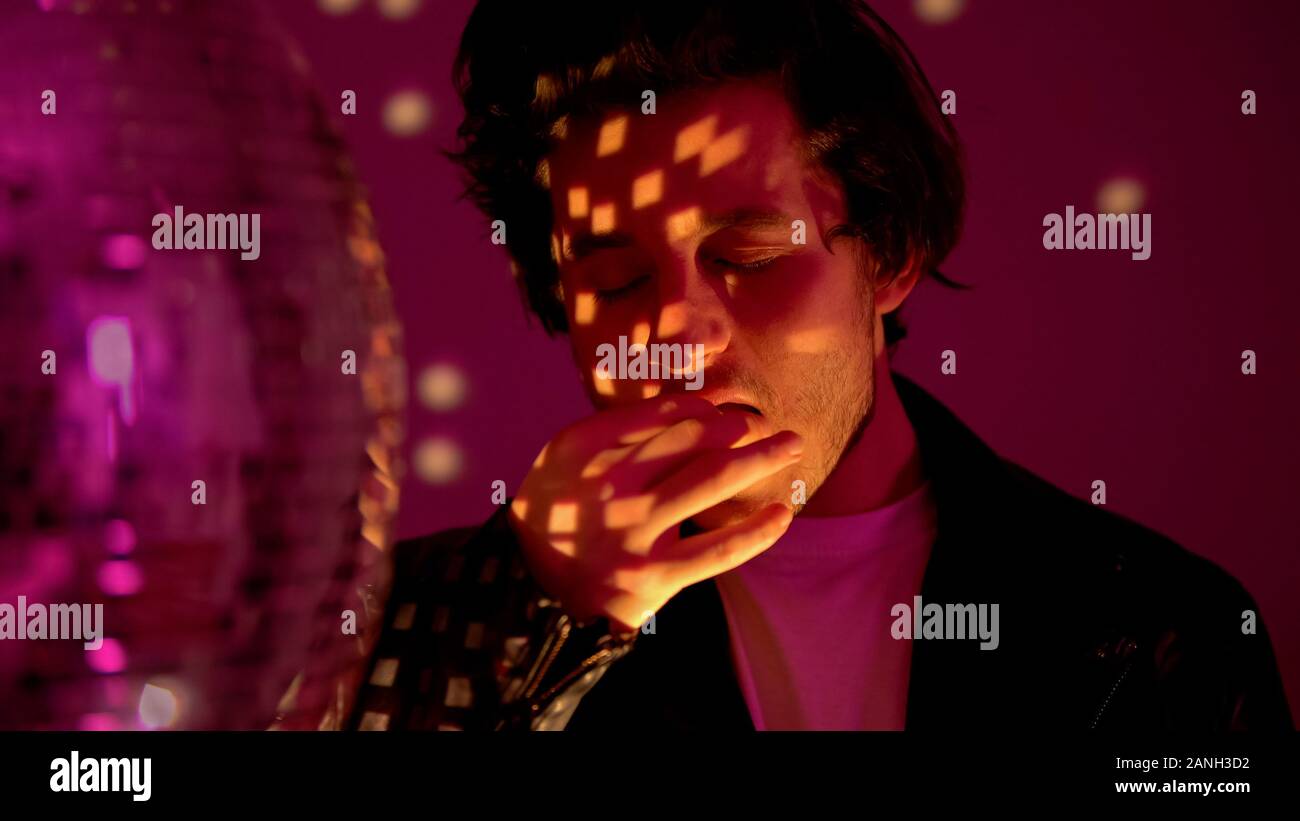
x=1103, y=623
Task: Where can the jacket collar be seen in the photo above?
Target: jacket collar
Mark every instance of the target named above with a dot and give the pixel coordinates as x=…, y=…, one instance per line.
x=984, y=553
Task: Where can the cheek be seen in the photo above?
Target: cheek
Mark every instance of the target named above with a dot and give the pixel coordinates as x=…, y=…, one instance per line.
x=807, y=309
x=608, y=322
x=584, y=341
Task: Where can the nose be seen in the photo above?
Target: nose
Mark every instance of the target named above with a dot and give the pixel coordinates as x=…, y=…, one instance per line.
x=693, y=310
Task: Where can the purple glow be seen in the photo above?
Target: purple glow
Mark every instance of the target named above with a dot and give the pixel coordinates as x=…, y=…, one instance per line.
x=123, y=252
x=193, y=395
x=112, y=359
x=109, y=658
x=110, y=437
x=120, y=578
x=98, y=722
x=117, y=693
x=119, y=537
x=108, y=346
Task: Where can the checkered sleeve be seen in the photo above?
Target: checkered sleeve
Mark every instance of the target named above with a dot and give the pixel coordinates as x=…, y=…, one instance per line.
x=470, y=641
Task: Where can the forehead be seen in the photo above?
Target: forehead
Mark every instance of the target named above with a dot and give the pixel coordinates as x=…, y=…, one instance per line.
x=713, y=149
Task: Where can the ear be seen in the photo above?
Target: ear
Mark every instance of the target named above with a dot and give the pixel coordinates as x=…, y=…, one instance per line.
x=889, y=295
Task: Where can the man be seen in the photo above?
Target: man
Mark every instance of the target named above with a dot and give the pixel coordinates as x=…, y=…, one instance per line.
x=762, y=186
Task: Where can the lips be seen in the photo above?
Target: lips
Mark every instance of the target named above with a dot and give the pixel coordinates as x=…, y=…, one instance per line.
x=723, y=399
x=757, y=426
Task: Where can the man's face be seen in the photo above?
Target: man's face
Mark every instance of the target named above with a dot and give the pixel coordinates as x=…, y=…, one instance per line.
x=680, y=227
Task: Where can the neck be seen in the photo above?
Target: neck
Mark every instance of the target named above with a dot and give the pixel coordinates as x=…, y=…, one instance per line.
x=881, y=466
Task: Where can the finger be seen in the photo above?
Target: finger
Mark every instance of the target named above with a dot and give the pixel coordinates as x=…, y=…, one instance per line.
x=626, y=425
x=726, y=429
x=714, y=477
x=657, y=458
x=671, y=442
x=710, y=554
x=626, y=611
x=638, y=421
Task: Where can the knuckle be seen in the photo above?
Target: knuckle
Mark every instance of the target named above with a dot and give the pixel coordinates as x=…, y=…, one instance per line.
x=629, y=577
x=637, y=539
x=688, y=429
x=726, y=550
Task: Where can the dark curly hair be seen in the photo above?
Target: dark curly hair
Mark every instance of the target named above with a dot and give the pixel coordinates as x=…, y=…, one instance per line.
x=868, y=115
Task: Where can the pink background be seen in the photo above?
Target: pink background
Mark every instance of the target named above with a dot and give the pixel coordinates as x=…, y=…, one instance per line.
x=1079, y=365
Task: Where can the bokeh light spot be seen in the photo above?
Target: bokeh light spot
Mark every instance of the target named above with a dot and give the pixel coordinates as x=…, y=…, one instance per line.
x=159, y=706
x=438, y=460
x=338, y=6
x=938, y=12
x=1121, y=195
x=108, y=340
x=441, y=387
x=109, y=658
x=98, y=723
x=119, y=537
x=123, y=252
x=120, y=578
x=407, y=113
x=398, y=9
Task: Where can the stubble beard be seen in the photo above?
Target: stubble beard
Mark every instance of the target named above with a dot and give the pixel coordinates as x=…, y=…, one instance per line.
x=845, y=403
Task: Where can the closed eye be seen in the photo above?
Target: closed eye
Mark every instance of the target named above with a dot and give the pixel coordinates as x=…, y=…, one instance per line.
x=612, y=294
x=755, y=265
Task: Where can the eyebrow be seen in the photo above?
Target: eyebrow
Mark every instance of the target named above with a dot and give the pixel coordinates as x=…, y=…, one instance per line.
x=587, y=243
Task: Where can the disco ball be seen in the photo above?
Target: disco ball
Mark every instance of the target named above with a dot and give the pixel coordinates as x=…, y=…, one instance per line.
x=182, y=439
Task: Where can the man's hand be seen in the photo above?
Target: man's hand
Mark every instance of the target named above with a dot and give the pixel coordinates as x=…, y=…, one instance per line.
x=599, y=512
